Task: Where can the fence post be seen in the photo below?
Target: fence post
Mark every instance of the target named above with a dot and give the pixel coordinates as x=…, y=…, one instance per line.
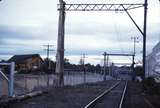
x=11, y=77
x=25, y=83
x=48, y=80
x=38, y=82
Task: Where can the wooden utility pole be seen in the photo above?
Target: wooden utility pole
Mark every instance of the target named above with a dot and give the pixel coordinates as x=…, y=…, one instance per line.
x=133, y=57
x=84, y=70
x=104, y=77
x=60, y=44
x=108, y=65
x=144, y=37
x=48, y=50
x=134, y=44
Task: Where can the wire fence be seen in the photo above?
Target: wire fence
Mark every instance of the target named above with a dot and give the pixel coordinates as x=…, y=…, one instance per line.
x=26, y=83
x=73, y=78
x=4, y=86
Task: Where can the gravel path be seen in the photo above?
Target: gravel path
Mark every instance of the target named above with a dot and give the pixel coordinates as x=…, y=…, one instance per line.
x=135, y=96
x=112, y=99
x=80, y=95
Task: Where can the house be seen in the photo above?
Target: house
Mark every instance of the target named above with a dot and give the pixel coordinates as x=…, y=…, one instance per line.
x=153, y=62
x=27, y=62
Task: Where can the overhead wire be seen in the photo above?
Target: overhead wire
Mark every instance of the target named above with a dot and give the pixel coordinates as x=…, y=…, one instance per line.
x=118, y=36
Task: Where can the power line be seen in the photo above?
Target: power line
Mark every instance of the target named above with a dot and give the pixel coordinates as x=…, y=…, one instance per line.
x=117, y=36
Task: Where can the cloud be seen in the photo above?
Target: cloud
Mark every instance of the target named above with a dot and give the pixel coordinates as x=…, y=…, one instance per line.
x=25, y=40
x=12, y=33
x=28, y=12
x=26, y=25
x=45, y=33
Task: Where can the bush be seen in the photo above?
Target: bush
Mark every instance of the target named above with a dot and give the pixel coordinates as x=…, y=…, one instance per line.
x=138, y=71
x=150, y=86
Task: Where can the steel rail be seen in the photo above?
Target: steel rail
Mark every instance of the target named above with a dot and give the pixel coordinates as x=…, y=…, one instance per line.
x=92, y=103
x=123, y=95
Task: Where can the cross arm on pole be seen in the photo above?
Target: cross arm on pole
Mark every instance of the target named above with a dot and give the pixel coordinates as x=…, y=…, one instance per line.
x=120, y=54
x=100, y=7
x=133, y=21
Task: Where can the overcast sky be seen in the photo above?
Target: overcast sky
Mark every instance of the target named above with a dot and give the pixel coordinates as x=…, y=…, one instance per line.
x=27, y=25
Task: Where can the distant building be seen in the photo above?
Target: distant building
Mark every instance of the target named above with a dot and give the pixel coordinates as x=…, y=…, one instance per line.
x=27, y=62
x=153, y=62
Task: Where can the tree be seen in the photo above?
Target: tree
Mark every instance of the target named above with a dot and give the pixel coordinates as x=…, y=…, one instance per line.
x=139, y=71
x=98, y=67
x=49, y=66
x=66, y=61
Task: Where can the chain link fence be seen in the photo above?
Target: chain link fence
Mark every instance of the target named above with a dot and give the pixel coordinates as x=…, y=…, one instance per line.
x=4, y=87
x=28, y=83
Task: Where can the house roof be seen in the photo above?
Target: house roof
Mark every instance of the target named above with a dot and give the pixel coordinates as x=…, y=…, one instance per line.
x=21, y=58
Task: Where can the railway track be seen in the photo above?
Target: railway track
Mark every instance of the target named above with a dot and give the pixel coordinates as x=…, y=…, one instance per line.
x=110, y=98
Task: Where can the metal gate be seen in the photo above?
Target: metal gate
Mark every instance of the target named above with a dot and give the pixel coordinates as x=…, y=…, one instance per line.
x=6, y=81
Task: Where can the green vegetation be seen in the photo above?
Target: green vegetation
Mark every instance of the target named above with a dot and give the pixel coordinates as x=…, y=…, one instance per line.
x=138, y=71
x=151, y=87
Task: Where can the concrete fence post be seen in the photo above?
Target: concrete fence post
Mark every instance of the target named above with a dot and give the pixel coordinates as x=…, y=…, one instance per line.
x=25, y=83
x=11, y=77
x=48, y=80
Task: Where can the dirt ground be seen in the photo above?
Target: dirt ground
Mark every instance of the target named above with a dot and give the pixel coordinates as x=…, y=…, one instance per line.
x=154, y=100
x=80, y=95
x=66, y=97
x=137, y=98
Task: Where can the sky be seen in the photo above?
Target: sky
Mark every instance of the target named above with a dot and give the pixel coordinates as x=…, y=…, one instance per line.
x=27, y=25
